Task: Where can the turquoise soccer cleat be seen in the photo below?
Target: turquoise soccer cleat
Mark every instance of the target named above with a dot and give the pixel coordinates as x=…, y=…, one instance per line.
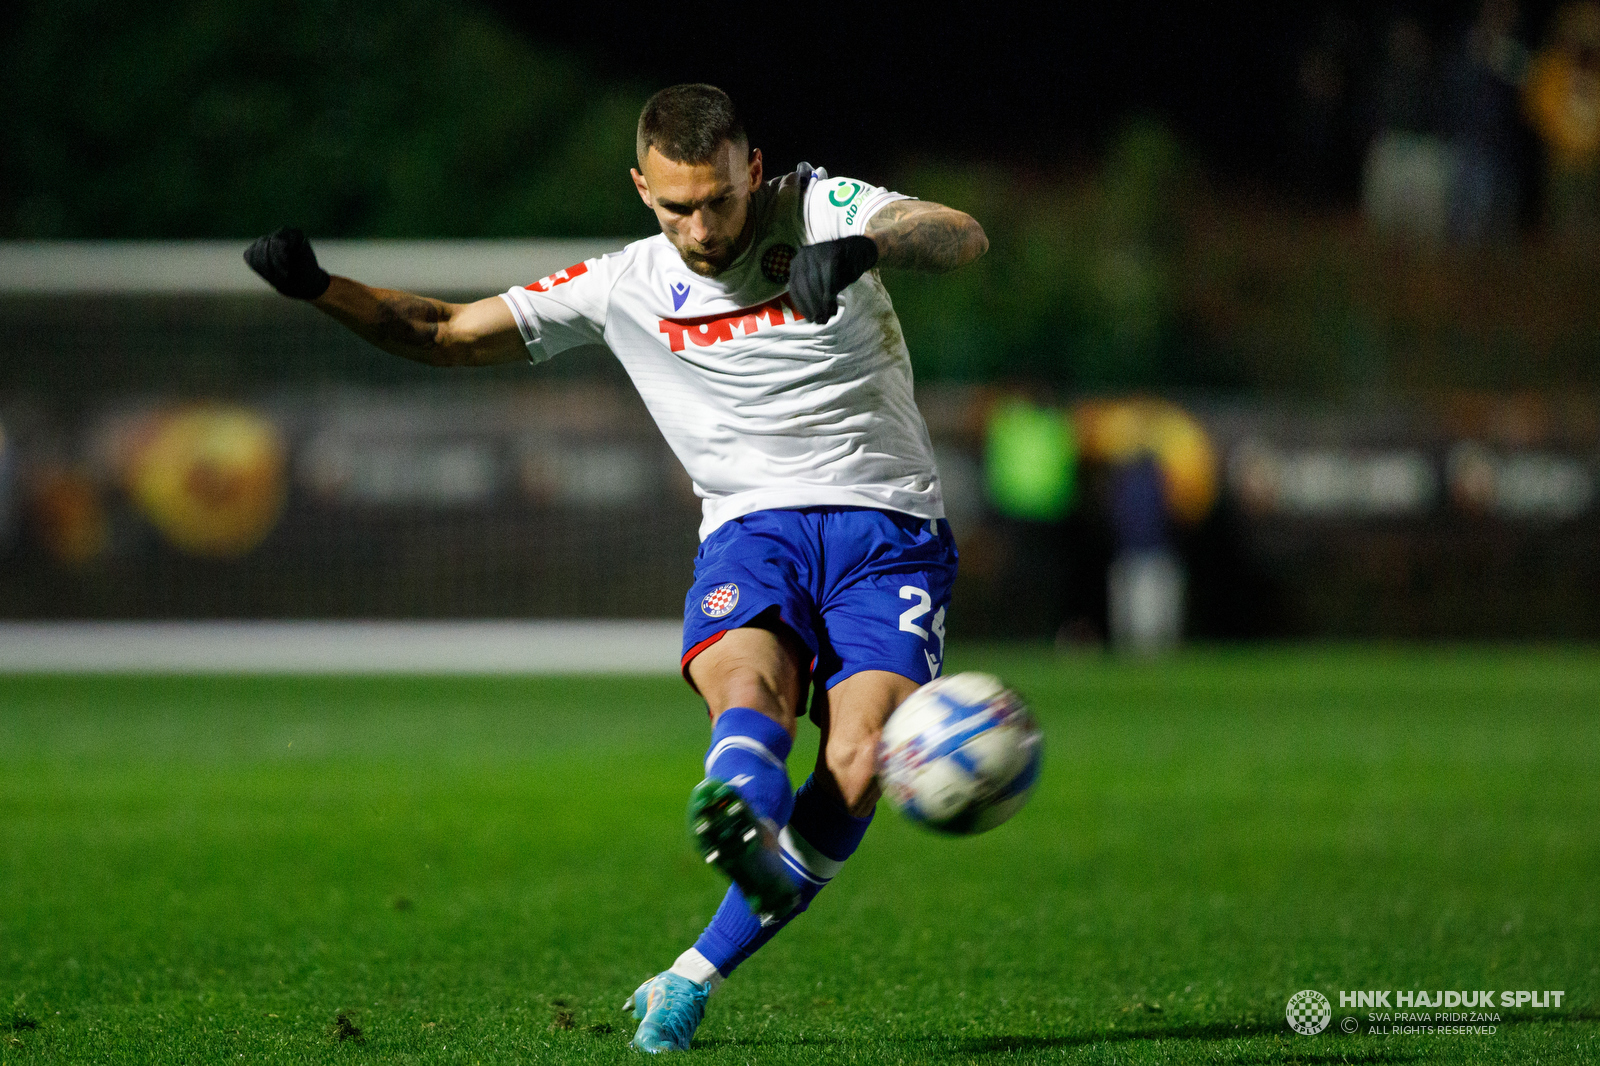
x=669, y=1008
x=731, y=837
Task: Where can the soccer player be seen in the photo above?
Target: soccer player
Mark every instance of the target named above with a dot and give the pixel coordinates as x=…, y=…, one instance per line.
x=759, y=335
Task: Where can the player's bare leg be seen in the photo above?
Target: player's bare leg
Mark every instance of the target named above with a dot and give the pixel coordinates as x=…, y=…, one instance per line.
x=757, y=667
x=851, y=716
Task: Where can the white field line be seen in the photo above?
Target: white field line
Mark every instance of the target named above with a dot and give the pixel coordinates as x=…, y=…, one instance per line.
x=471, y=647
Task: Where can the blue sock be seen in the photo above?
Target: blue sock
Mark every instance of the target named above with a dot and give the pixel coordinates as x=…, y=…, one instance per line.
x=748, y=751
x=817, y=840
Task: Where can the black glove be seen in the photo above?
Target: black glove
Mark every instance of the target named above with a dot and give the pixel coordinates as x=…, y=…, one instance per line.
x=286, y=260
x=819, y=273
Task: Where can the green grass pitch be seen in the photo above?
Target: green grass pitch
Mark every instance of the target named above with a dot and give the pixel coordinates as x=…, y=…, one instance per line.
x=475, y=870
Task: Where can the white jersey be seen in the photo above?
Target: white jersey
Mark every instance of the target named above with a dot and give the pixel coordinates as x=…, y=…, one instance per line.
x=764, y=408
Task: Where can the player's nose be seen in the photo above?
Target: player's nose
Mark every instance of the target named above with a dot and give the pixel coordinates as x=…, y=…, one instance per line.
x=698, y=229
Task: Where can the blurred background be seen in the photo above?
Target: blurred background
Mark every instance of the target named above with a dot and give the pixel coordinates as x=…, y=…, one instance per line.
x=1289, y=327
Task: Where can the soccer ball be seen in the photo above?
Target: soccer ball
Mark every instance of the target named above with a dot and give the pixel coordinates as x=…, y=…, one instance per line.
x=960, y=755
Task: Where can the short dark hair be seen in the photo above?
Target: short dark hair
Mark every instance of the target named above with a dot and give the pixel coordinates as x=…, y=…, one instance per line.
x=687, y=123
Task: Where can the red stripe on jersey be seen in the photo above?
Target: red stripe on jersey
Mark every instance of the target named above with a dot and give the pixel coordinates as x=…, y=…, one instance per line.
x=560, y=277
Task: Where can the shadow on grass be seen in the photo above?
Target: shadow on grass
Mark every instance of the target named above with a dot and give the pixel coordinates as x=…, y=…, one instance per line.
x=979, y=1047
x=1290, y=1057
x=1293, y=1051
x=985, y=1046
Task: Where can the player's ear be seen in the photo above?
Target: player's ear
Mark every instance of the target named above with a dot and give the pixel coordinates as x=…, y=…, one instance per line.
x=644, y=188
x=755, y=169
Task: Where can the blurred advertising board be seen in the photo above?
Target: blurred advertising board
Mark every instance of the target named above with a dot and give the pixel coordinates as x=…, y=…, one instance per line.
x=1468, y=516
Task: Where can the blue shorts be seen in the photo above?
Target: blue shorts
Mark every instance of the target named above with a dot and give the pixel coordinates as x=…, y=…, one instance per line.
x=864, y=589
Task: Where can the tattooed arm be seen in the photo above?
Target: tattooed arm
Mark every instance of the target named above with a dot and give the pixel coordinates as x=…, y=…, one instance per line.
x=918, y=235
x=425, y=330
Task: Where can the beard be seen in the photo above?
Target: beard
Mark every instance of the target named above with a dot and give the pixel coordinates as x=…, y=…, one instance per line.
x=709, y=262
x=712, y=259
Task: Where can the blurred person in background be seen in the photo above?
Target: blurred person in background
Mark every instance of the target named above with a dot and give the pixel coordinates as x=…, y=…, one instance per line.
x=1563, y=102
x=1030, y=477
x=1481, y=117
x=1406, y=180
x=1145, y=583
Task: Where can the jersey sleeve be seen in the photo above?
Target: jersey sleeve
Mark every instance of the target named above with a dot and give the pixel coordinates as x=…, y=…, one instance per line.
x=564, y=310
x=840, y=207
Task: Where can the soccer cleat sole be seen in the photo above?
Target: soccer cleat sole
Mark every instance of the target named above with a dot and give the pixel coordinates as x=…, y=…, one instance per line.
x=731, y=838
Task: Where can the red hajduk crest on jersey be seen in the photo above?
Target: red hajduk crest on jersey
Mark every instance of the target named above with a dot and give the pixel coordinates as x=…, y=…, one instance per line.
x=775, y=263
x=720, y=600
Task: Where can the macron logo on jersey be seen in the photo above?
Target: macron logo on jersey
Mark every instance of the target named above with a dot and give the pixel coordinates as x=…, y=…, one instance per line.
x=704, y=332
x=560, y=277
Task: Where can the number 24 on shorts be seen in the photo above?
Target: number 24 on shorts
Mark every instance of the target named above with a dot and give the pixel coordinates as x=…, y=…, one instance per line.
x=910, y=616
